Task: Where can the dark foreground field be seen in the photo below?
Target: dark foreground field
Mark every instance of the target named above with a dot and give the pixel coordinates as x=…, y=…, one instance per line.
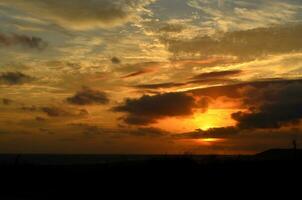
x=145, y=174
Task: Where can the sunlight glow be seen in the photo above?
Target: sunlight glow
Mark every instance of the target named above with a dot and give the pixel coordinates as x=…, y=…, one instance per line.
x=211, y=140
x=211, y=119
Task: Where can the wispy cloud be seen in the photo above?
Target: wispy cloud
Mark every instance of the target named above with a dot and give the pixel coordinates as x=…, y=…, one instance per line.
x=79, y=14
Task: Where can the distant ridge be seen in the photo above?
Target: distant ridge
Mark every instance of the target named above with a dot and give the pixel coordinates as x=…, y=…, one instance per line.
x=280, y=154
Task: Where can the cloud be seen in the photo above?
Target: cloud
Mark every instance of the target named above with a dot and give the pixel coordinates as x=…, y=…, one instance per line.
x=236, y=91
x=138, y=73
x=217, y=74
x=7, y=101
x=272, y=107
x=139, y=68
x=40, y=119
x=180, y=84
x=78, y=14
x=159, y=85
x=53, y=111
x=14, y=78
x=246, y=45
x=148, y=132
x=228, y=15
x=216, y=77
x=22, y=40
x=223, y=132
x=148, y=109
x=205, y=62
x=115, y=60
x=88, y=96
x=171, y=28
x=224, y=81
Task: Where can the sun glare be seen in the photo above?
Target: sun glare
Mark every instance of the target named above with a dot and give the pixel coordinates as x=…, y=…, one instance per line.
x=210, y=139
x=213, y=118
x=210, y=119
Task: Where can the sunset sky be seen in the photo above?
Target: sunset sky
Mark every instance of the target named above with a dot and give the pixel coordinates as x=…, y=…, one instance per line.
x=150, y=76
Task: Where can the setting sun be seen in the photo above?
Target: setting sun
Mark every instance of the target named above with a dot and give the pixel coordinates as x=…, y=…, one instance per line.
x=212, y=118
x=210, y=140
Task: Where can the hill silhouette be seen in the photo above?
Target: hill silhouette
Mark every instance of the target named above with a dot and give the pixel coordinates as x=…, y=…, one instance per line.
x=280, y=154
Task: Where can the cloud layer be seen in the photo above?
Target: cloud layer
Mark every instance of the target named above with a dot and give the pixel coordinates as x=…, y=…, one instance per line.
x=88, y=96
x=78, y=14
x=244, y=44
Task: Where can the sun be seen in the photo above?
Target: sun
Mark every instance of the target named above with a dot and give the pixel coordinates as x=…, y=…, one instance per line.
x=213, y=118
x=210, y=139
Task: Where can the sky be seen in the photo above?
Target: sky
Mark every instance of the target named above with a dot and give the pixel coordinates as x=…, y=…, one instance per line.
x=150, y=76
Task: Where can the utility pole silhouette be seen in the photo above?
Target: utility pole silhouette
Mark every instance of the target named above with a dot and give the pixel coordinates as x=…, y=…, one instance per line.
x=295, y=144
x=295, y=149
x=17, y=160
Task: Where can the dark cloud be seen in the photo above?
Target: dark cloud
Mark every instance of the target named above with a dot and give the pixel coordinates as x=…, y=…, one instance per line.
x=115, y=60
x=148, y=109
x=88, y=96
x=137, y=69
x=53, y=111
x=159, y=85
x=22, y=40
x=7, y=101
x=137, y=73
x=214, y=81
x=14, y=78
x=148, y=132
x=40, y=119
x=217, y=75
x=222, y=132
x=152, y=88
x=272, y=107
x=245, y=45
